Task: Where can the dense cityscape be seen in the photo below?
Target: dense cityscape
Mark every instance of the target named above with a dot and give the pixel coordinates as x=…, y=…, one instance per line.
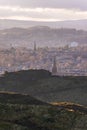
x=68, y=60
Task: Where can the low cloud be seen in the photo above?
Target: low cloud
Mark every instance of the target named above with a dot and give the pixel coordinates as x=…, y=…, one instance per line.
x=68, y=4
x=41, y=14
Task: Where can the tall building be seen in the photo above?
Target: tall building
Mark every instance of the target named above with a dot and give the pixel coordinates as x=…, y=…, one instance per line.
x=35, y=48
x=54, y=68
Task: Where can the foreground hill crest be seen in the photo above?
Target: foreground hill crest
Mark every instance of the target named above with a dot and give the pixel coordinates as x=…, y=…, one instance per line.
x=41, y=84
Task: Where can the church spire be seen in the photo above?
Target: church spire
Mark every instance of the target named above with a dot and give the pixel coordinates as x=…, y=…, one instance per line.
x=54, y=68
x=35, y=48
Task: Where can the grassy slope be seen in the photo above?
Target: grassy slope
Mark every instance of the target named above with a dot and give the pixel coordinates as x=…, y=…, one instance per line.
x=62, y=89
x=22, y=112
x=50, y=89
x=25, y=116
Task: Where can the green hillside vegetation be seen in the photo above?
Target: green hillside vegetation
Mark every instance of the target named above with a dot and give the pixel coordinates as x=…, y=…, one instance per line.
x=60, y=106
x=37, y=115
x=15, y=98
x=42, y=85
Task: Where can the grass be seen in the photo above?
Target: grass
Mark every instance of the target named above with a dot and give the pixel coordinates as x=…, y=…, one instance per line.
x=24, y=112
x=25, y=116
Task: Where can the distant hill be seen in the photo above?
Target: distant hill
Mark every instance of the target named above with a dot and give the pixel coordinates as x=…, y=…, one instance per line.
x=43, y=36
x=77, y=24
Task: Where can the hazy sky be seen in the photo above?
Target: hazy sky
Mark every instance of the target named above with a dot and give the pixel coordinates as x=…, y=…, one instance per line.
x=43, y=10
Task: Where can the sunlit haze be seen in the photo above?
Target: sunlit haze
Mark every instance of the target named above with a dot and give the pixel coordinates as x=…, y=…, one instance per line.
x=38, y=10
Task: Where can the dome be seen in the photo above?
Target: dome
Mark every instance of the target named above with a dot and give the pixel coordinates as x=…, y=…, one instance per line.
x=73, y=44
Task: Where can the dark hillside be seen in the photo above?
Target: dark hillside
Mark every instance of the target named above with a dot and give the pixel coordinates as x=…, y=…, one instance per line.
x=29, y=75
x=42, y=85
x=17, y=112
x=15, y=98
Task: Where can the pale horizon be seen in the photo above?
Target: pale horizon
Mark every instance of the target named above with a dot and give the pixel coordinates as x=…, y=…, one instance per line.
x=51, y=10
